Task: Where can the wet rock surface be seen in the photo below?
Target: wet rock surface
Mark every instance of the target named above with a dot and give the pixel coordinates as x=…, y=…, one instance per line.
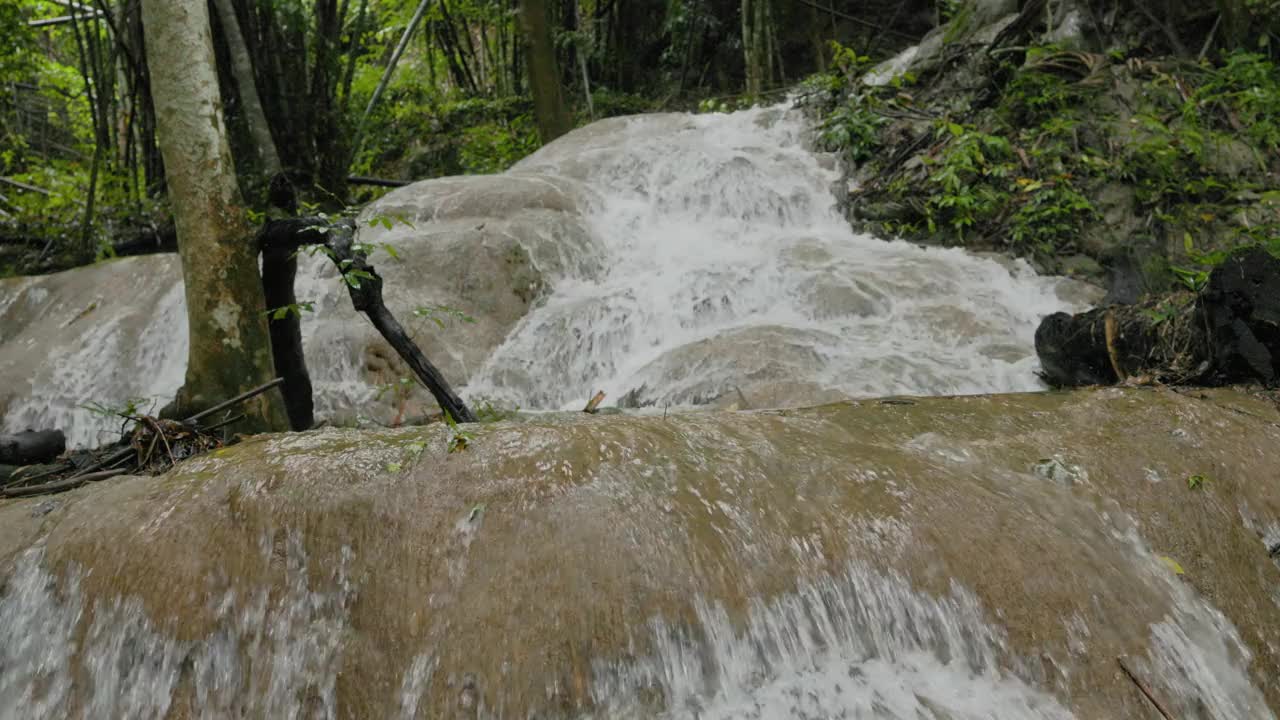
x=979, y=557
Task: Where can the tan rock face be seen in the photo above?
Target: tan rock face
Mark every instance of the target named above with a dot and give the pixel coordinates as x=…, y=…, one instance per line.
x=101, y=334
x=891, y=559
x=486, y=247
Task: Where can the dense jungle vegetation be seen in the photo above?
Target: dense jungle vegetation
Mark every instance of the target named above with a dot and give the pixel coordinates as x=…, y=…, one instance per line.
x=1087, y=134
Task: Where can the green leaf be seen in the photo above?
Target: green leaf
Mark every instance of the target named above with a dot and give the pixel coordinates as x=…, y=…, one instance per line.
x=393, y=467
x=1172, y=564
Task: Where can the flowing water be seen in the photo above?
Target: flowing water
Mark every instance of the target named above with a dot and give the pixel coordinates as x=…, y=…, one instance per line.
x=713, y=567
x=714, y=267
x=728, y=264
x=878, y=562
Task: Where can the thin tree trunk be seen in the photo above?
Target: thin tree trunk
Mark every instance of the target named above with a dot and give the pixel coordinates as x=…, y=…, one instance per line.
x=390, y=70
x=457, y=48
x=229, y=349
x=357, y=29
x=544, y=78
x=242, y=69
x=329, y=144
x=750, y=47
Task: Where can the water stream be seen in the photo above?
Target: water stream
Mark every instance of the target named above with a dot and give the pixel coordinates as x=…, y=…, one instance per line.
x=730, y=271
x=740, y=565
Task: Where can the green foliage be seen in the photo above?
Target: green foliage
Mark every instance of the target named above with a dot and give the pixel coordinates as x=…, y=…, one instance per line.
x=968, y=179
x=1023, y=171
x=487, y=412
x=459, y=439
x=129, y=408
x=1195, y=482
x=1052, y=216
x=1247, y=89
x=494, y=147
x=853, y=128
x=846, y=61
x=295, y=309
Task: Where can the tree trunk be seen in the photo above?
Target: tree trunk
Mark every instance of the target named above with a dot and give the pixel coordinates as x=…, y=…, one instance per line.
x=1235, y=24
x=229, y=349
x=544, y=78
x=242, y=69
x=753, y=45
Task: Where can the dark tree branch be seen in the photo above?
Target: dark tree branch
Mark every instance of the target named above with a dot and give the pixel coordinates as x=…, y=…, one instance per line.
x=290, y=234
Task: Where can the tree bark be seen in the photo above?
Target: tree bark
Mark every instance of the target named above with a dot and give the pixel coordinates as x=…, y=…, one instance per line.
x=229, y=348
x=1235, y=23
x=242, y=69
x=544, y=78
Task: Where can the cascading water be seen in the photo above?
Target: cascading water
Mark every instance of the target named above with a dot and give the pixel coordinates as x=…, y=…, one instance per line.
x=829, y=563
x=729, y=268
x=704, y=260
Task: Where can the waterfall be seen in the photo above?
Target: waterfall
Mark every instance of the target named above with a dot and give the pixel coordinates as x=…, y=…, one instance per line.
x=731, y=272
x=704, y=261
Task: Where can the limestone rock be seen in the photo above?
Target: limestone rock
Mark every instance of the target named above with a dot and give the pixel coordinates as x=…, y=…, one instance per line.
x=486, y=246
x=596, y=566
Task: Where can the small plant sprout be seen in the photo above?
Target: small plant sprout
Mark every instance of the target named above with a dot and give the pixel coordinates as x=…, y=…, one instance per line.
x=459, y=439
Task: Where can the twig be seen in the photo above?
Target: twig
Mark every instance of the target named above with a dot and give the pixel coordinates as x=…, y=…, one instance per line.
x=593, y=405
x=24, y=186
x=233, y=401
x=376, y=182
x=223, y=423
x=1208, y=42
x=165, y=440
x=150, y=450
x=860, y=21
x=111, y=459
x=1109, y=333
x=1160, y=708
x=60, y=485
x=26, y=479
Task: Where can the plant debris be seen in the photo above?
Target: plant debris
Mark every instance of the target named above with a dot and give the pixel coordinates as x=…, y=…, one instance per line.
x=153, y=446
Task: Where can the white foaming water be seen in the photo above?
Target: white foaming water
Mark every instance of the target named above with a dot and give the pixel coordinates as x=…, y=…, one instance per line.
x=728, y=263
x=721, y=269
x=126, y=665
x=109, y=365
x=863, y=645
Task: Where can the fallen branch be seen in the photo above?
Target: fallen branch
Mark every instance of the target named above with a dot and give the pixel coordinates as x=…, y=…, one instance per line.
x=180, y=440
x=1146, y=691
x=376, y=182
x=195, y=419
x=70, y=483
x=593, y=405
x=24, y=186
x=364, y=285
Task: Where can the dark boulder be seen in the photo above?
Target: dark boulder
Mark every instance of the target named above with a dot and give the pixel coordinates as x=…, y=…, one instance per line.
x=31, y=446
x=1242, y=314
x=1229, y=333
